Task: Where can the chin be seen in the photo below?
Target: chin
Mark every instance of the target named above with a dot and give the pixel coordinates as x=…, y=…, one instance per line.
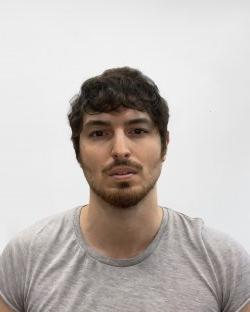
x=124, y=197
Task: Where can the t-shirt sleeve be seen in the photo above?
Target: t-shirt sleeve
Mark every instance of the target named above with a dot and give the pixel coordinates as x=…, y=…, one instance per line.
x=232, y=266
x=12, y=274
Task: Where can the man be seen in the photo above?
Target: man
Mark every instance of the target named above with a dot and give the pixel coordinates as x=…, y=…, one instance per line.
x=122, y=251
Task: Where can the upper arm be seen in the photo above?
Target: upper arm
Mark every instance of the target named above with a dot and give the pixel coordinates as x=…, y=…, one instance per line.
x=11, y=278
x=246, y=309
x=4, y=307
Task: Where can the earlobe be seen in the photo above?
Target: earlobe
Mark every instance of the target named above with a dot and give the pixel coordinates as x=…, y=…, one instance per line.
x=163, y=157
x=167, y=142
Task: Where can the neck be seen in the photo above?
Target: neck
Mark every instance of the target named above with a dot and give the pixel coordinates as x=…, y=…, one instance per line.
x=120, y=232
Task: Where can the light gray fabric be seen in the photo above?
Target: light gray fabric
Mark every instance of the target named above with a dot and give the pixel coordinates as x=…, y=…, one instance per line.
x=187, y=267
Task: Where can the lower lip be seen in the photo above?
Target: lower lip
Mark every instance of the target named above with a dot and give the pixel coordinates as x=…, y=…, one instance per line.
x=122, y=176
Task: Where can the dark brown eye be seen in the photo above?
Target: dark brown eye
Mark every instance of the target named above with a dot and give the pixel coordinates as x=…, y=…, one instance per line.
x=97, y=133
x=139, y=131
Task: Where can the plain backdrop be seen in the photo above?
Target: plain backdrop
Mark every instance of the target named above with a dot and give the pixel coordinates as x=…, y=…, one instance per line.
x=197, y=52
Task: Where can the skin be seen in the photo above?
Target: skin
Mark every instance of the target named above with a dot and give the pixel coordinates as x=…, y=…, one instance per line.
x=4, y=307
x=122, y=217
x=120, y=231
x=246, y=309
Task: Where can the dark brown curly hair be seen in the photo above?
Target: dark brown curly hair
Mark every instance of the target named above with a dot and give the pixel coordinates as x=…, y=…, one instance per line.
x=115, y=88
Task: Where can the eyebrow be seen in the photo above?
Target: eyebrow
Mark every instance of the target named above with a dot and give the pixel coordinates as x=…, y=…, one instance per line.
x=97, y=122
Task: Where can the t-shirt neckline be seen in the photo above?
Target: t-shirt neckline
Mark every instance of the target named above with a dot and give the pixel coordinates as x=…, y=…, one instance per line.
x=118, y=262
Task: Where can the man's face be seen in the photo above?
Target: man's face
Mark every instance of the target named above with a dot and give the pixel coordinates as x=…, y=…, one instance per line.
x=120, y=154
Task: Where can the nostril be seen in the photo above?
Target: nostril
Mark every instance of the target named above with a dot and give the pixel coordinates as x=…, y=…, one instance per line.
x=120, y=155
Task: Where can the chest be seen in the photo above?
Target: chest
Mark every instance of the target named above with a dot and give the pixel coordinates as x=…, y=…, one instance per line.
x=89, y=285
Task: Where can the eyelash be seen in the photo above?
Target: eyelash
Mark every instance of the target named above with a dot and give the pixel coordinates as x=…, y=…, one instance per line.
x=92, y=134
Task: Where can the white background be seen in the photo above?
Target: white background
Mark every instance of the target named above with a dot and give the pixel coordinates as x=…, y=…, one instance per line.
x=197, y=52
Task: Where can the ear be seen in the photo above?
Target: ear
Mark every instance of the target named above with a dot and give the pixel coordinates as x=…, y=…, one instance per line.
x=167, y=142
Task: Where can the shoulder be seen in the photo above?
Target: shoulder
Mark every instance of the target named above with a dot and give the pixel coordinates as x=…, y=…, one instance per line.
x=222, y=257
x=214, y=240
x=217, y=248
x=223, y=243
x=41, y=232
x=184, y=228
x=31, y=250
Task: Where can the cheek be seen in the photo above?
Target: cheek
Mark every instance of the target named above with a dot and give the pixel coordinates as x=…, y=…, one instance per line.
x=86, y=153
x=91, y=158
x=152, y=157
x=153, y=152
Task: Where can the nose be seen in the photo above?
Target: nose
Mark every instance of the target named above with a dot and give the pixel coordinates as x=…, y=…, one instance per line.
x=120, y=146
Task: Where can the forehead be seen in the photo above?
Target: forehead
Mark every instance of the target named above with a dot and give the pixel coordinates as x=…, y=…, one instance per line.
x=121, y=116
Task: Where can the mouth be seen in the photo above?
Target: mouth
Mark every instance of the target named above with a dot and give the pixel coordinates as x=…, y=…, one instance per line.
x=122, y=172
x=122, y=176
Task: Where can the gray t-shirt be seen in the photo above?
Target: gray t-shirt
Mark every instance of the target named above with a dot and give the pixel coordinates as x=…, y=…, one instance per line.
x=187, y=267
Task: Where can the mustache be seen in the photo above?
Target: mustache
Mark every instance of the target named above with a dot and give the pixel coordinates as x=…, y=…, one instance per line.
x=123, y=162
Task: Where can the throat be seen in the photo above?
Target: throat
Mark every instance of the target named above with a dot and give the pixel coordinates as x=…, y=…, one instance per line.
x=120, y=238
